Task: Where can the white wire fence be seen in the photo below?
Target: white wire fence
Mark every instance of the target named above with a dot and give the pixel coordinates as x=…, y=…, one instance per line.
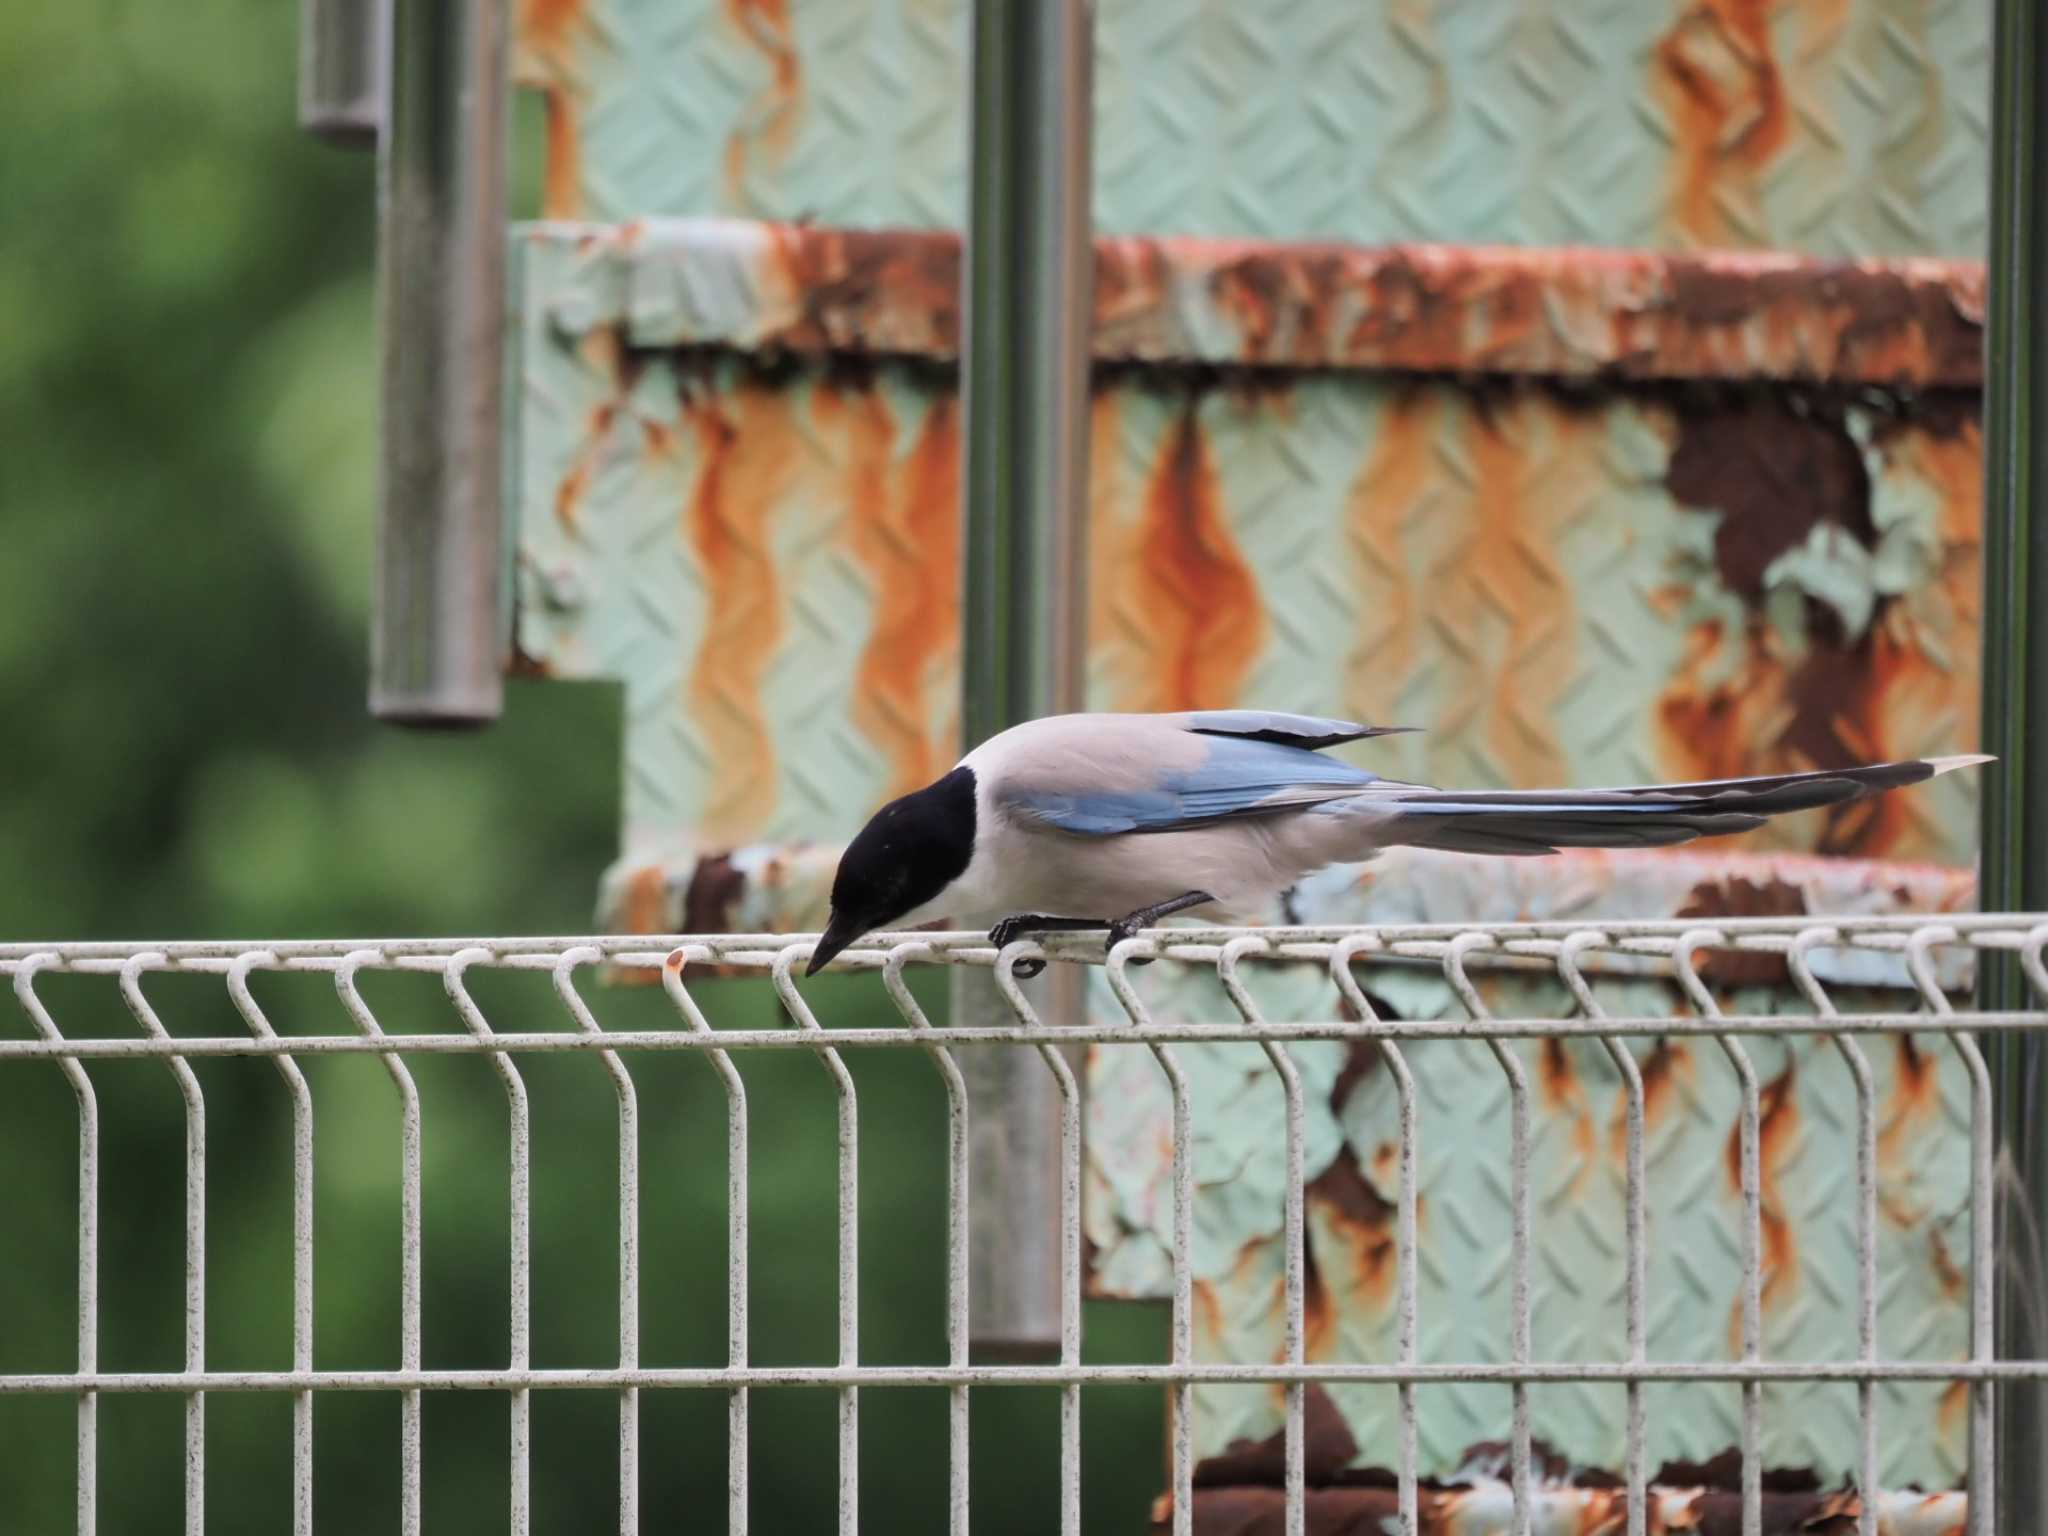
x=1932, y=958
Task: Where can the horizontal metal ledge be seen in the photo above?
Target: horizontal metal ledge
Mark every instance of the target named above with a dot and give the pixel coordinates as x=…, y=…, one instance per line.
x=615, y=1379
x=1665, y=1025
x=1552, y=311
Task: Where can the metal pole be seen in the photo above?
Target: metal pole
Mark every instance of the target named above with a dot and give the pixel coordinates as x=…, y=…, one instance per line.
x=341, y=69
x=2014, y=874
x=439, y=635
x=1029, y=307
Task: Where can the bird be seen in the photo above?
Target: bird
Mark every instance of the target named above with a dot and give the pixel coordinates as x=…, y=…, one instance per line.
x=1117, y=821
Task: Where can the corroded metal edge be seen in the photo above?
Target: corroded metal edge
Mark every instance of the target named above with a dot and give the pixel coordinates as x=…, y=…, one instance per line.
x=1487, y=1507
x=786, y=888
x=1557, y=311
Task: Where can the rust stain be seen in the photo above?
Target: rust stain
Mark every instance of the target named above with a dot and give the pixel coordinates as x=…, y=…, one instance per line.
x=1915, y=1096
x=1734, y=895
x=1754, y=702
x=1185, y=588
x=768, y=122
x=749, y=449
x=909, y=544
x=1364, y=1222
x=1386, y=495
x=575, y=482
x=1947, y=1273
x=1721, y=81
x=1668, y=1065
x=547, y=35
x=644, y=908
x=1501, y=594
x=1564, y=1094
x=1948, y=1415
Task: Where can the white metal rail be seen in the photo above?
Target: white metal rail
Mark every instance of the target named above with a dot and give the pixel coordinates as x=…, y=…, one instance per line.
x=1570, y=952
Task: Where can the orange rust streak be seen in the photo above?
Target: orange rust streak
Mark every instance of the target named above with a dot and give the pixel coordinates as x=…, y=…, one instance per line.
x=1721, y=81
x=561, y=178
x=1777, y=1128
x=1563, y=1094
x=1916, y=1093
x=1506, y=607
x=748, y=461
x=910, y=547
x=1186, y=585
x=645, y=907
x=1667, y=1065
x=1383, y=498
x=770, y=118
x=575, y=484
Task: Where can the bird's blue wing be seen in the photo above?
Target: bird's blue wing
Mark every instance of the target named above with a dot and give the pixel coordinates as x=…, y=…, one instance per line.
x=1237, y=776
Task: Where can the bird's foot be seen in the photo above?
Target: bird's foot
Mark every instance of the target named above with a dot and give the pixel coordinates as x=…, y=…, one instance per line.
x=1024, y=926
x=1132, y=923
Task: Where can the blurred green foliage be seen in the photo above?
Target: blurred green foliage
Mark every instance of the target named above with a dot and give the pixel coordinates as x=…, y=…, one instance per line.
x=187, y=418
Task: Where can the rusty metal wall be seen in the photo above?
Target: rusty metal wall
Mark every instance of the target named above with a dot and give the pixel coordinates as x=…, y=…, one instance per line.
x=1706, y=506
x=1835, y=127
x=1566, y=579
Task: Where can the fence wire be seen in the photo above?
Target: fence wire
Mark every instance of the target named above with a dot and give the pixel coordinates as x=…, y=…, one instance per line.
x=1931, y=958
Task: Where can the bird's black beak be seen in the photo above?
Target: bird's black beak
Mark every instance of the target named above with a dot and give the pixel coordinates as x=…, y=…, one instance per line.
x=837, y=935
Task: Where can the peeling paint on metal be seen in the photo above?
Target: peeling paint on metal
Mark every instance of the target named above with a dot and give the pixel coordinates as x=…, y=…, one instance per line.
x=1635, y=315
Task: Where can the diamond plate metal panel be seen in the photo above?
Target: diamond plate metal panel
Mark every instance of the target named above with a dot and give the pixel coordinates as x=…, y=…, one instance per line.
x=1692, y=1101
x=1848, y=129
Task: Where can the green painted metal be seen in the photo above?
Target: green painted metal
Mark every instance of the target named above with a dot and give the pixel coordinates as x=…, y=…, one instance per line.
x=2015, y=826
x=1855, y=129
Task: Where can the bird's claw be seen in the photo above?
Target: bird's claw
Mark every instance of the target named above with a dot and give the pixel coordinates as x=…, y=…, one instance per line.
x=1008, y=932
x=1118, y=932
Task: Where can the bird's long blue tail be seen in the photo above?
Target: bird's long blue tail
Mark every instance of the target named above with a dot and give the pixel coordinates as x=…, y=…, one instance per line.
x=1647, y=816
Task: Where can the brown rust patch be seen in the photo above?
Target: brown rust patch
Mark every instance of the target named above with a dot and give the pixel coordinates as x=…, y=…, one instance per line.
x=1186, y=588
x=1720, y=80
x=749, y=450
x=767, y=124
x=644, y=906
x=909, y=544
x=1734, y=895
x=716, y=886
x=1327, y=1449
x=1752, y=702
x=1773, y=476
x=1364, y=1222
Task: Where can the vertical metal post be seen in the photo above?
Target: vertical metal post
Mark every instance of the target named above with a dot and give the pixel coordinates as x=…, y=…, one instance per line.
x=1029, y=304
x=341, y=69
x=439, y=630
x=2014, y=874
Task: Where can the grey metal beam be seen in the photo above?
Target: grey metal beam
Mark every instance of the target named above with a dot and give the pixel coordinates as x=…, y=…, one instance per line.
x=440, y=633
x=2014, y=873
x=1029, y=281
x=342, y=46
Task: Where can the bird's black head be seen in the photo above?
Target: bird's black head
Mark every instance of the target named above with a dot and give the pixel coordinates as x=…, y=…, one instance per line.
x=910, y=851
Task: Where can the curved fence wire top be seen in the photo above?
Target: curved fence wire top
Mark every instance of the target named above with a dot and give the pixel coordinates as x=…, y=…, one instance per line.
x=1730, y=986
